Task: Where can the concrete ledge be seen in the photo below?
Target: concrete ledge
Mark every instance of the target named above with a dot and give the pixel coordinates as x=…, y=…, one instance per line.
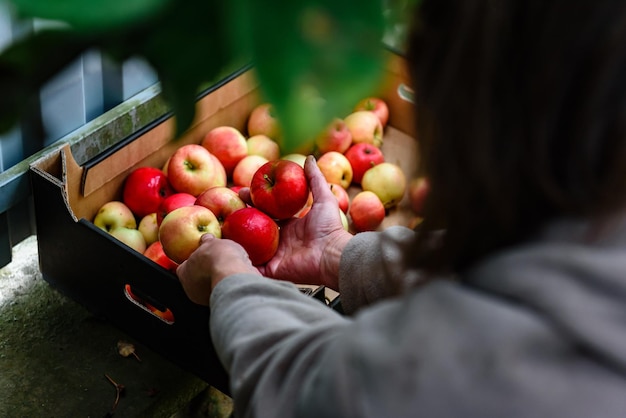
x=54, y=356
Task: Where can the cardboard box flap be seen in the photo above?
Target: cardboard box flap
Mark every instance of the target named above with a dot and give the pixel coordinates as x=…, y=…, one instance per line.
x=224, y=104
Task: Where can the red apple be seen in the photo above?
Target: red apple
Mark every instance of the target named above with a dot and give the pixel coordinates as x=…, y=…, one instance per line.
x=342, y=196
x=182, y=228
x=149, y=227
x=174, y=201
x=256, y=232
x=242, y=175
x=221, y=200
x=336, y=168
x=362, y=157
x=365, y=127
x=227, y=144
x=279, y=188
x=375, y=105
x=155, y=253
x=144, y=189
x=387, y=181
x=418, y=191
x=335, y=137
x=264, y=146
x=366, y=212
x=263, y=121
x=114, y=214
x=193, y=169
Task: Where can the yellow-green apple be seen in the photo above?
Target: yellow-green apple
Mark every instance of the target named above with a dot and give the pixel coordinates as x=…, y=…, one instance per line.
x=334, y=137
x=365, y=127
x=366, y=212
x=174, y=201
x=242, y=175
x=256, y=232
x=193, y=169
x=418, y=191
x=375, y=105
x=264, y=146
x=220, y=200
x=182, y=228
x=362, y=157
x=344, y=220
x=149, y=228
x=296, y=158
x=336, y=168
x=387, y=181
x=155, y=253
x=342, y=196
x=144, y=189
x=114, y=214
x=131, y=237
x=228, y=144
x=262, y=121
x=279, y=188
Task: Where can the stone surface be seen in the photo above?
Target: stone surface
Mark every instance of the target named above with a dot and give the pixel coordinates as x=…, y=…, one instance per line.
x=54, y=356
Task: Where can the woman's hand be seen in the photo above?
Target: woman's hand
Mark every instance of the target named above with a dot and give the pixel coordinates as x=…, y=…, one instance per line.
x=214, y=260
x=310, y=247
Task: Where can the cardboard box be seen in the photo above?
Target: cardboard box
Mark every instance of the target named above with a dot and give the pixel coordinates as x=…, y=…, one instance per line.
x=94, y=269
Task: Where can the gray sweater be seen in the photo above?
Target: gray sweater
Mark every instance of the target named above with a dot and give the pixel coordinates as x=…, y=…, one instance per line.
x=537, y=331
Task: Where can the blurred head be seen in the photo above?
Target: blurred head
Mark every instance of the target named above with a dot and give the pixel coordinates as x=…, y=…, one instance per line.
x=521, y=117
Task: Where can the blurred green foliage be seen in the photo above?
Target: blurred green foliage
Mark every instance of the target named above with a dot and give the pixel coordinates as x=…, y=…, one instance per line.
x=314, y=58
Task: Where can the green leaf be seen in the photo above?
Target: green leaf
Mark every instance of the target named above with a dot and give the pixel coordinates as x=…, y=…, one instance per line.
x=92, y=15
x=185, y=46
x=314, y=59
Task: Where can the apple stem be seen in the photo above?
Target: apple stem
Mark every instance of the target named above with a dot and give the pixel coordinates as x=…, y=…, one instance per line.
x=268, y=179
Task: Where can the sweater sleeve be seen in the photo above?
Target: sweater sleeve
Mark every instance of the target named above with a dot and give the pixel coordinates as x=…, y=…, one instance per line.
x=373, y=267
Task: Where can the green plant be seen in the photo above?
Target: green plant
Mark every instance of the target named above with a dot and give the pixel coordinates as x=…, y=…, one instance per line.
x=314, y=58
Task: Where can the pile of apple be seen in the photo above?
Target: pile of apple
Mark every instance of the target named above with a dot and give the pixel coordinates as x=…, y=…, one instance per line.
x=164, y=211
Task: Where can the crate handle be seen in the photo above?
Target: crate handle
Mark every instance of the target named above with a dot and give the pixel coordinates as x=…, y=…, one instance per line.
x=141, y=300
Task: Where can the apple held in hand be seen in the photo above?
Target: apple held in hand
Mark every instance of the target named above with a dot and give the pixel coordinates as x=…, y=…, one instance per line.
x=366, y=211
x=279, y=188
x=264, y=146
x=256, y=232
x=144, y=189
x=375, y=105
x=155, y=253
x=193, y=169
x=336, y=168
x=173, y=201
x=182, y=228
x=365, y=127
x=387, y=181
x=227, y=144
x=362, y=157
x=335, y=137
x=114, y=214
x=222, y=201
x=263, y=121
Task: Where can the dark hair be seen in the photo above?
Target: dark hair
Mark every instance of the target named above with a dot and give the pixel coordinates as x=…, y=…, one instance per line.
x=521, y=118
